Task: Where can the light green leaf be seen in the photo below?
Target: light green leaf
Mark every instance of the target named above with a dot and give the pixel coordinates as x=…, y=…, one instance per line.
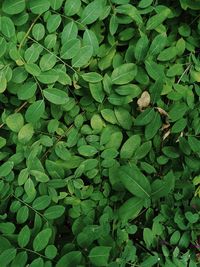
x=70, y=259
x=91, y=12
x=42, y=202
x=56, y=96
x=99, y=255
x=97, y=92
x=82, y=57
x=156, y=20
x=15, y=122
x=92, y=77
x=26, y=133
x=70, y=48
x=72, y=7
x=13, y=7
x=35, y=111
x=130, y=209
x=87, y=150
x=124, y=73
x=39, y=7
x=8, y=28
x=6, y=168
x=39, y=176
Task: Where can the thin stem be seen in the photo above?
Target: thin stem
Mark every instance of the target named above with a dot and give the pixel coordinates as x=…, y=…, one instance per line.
x=185, y=71
x=27, y=33
x=34, y=252
x=20, y=200
x=53, y=54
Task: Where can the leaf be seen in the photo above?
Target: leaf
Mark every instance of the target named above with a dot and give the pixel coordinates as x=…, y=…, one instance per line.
x=156, y=20
x=123, y=117
x=56, y=96
x=70, y=48
x=39, y=7
x=27, y=90
x=158, y=44
x=82, y=57
x=13, y=7
x=135, y=182
x=97, y=92
x=29, y=188
x=131, y=11
x=53, y=23
x=143, y=150
x=15, y=122
x=24, y=236
x=145, y=117
x=124, y=73
x=161, y=188
x=72, y=7
x=154, y=70
x=99, y=255
x=8, y=28
x=26, y=133
x=156, y=90
x=35, y=111
x=39, y=176
x=152, y=128
x=6, y=168
x=70, y=259
x=7, y=256
x=92, y=77
x=141, y=48
x=167, y=54
x=42, y=239
x=91, y=12
x=87, y=150
x=48, y=77
x=42, y=202
x=90, y=39
x=130, y=146
x=179, y=126
x=22, y=215
x=130, y=209
x=54, y=212
x=47, y=62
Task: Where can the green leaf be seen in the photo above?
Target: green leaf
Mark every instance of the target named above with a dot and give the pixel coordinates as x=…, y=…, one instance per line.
x=143, y=150
x=123, y=117
x=92, y=77
x=22, y=215
x=72, y=7
x=167, y=54
x=130, y=146
x=56, y=96
x=35, y=111
x=42, y=202
x=132, y=12
x=70, y=259
x=26, y=133
x=70, y=48
x=13, y=7
x=97, y=92
x=130, y=209
x=38, y=31
x=39, y=7
x=141, y=48
x=47, y=62
x=87, y=150
x=156, y=20
x=53, y=23
x=7, y=228
x=42, y=239
x=24, y=236
x=99, y=255
x=54, y=212
x=6, y=168
x=15, y=122
x=152, y=128
x=82, y=57
x=145, y=117
x=39, y=176
x=7, y=256
x=91, y=12
x=135, y=182
x=48, y=77
x=27, y=90
x=124, y=73
x=154, y=70
x=158, y=44
x=179, y=126
x=29, y=188
x=8, y=28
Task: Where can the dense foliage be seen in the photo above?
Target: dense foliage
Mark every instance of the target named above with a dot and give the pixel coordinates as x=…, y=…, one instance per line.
x=100, y=130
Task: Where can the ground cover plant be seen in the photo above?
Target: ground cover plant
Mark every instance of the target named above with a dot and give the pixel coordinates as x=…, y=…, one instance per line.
x=99, y=133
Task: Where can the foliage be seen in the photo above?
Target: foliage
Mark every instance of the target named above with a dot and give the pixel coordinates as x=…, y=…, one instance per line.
x=100, y=129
